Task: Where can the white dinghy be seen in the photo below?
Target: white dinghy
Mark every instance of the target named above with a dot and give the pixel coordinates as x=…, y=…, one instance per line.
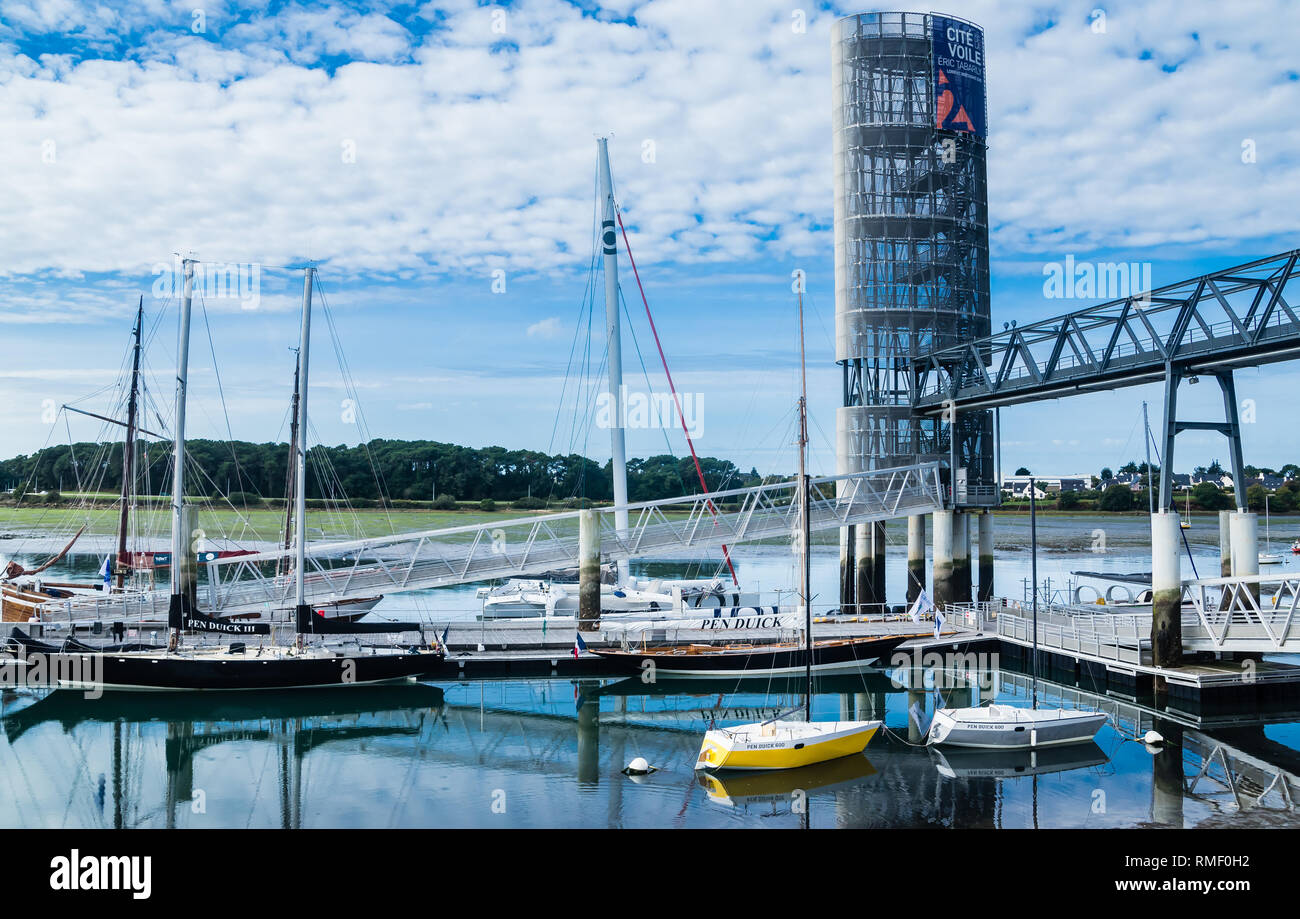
x=1005, y=727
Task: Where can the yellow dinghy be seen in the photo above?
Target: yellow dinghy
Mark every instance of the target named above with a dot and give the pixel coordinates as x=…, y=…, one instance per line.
x=778, y=744
x=783, y=744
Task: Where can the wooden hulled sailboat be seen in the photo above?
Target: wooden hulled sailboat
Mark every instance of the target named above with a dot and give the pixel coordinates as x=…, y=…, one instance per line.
x=22, y=594
x=779, y=743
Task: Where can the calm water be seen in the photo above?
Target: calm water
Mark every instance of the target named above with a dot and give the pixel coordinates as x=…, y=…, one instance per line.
x=548, y=753
x=1101, y=543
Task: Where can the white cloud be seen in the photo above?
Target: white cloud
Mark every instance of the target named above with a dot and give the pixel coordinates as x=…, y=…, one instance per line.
x=438, y=155
x=548, y=328
x=468, y=156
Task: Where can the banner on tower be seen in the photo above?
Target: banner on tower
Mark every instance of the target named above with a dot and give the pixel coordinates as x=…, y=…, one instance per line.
x=957, y=53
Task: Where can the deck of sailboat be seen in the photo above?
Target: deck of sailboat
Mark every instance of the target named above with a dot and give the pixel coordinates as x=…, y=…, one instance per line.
x=749, y=647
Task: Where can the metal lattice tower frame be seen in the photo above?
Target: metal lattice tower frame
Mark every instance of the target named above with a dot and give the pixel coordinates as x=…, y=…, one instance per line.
x=911, y=246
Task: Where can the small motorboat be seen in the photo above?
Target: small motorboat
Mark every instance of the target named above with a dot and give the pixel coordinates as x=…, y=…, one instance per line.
x=1295, y=547
x=1003, y=727
x=783, y=744
x=1006, y=727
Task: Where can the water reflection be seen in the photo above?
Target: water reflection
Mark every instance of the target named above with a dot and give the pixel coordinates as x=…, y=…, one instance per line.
x=549, y=753
x=785, y=791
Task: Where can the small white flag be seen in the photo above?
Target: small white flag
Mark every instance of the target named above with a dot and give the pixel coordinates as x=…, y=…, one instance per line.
x=920, y=607
x=938, y=621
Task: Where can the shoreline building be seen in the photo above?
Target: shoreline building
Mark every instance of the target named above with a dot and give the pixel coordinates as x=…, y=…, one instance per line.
x=911, y=275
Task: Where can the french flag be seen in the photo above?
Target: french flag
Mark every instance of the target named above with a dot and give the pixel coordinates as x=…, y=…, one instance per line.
x=579, y=646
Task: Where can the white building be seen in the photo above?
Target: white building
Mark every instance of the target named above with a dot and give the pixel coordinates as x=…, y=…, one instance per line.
x=1018, y=485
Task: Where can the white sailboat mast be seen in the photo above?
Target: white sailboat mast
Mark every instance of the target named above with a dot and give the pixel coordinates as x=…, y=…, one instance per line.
x=180, y=548
x=609, y=250
x=300, y=446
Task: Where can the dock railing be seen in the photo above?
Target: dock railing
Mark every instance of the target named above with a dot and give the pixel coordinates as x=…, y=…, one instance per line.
x=1119, y=638
x=1255, y=613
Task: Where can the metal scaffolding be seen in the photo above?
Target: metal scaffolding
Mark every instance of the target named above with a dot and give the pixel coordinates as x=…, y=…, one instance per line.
x=911, y=245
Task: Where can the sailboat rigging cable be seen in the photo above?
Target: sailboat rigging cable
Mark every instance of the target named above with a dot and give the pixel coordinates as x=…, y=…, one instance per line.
x=618, y=215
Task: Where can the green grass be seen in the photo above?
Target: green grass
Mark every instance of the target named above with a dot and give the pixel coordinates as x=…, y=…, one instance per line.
x=254, y=524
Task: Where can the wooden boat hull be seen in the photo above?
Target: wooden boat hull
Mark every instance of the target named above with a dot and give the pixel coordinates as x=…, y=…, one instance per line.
x=783, y=745
x=178, y=672
x=756, y=660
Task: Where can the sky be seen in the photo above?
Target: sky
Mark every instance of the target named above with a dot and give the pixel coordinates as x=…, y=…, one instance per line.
x=437, y=163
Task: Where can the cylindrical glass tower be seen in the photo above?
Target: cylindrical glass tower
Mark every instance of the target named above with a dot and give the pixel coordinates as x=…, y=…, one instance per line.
x=911, y=234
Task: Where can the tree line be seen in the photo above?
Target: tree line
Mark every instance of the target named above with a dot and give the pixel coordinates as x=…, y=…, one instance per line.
x=381, y=470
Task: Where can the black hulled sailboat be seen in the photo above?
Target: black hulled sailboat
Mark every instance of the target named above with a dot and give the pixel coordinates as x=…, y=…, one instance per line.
x=238, y=664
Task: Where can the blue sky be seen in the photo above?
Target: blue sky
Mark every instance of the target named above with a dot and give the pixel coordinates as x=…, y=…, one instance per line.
x=416, y=150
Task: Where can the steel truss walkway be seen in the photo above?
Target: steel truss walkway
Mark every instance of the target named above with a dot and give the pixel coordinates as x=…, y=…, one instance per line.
x=1238, y=317
x=1210, y=325
x=529, y=545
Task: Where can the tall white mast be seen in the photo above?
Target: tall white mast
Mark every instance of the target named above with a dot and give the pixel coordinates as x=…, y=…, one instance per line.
x=609, y=248
x=300, y=446
x=180, y=544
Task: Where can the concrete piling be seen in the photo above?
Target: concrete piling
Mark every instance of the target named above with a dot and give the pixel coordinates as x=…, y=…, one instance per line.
x=1225, y=544
x=1245, y=547
x=915, y=557
x=961, y=573
x=864, y=588
x=943, y=559
x=878, y=563
x=986, y=555
x=588, y=572
x=848, y=571
x=869, y=553
x=1167, y=592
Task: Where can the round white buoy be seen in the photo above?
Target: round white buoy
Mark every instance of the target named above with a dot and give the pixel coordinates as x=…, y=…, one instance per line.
x=638, y=766
x=1152, y=739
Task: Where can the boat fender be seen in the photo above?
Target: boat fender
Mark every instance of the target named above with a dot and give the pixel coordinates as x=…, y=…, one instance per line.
x=639, y=766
